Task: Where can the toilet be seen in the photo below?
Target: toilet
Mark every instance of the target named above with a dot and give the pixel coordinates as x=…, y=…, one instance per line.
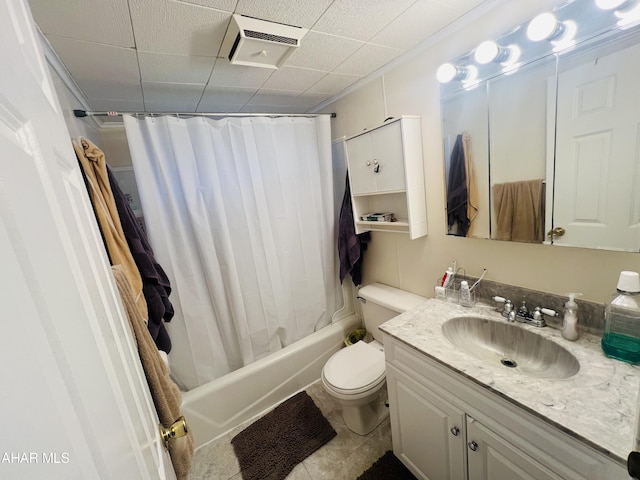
x=355, y=375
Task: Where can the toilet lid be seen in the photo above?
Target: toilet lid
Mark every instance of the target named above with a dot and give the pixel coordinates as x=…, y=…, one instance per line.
x=354, y=368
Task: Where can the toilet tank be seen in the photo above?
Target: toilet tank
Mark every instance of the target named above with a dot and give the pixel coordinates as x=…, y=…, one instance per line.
x=382, y=302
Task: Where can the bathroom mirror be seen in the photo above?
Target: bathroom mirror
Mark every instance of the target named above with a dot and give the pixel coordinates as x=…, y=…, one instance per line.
x=561, y=132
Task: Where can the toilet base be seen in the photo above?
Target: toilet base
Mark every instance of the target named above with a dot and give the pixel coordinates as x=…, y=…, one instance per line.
x=363, y=419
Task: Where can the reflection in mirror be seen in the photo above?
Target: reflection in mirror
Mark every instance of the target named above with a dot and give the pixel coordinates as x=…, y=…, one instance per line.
x=521, y=108
x=578, y=173
x=597, y=196
x=464, y=123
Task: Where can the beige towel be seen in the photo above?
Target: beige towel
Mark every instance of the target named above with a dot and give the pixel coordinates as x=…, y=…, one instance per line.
x=165, y=393
x=519, y=208
x=95, y=169
x=472, y=191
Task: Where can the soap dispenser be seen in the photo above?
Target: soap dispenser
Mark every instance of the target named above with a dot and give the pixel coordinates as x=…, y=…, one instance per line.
x=570, y=320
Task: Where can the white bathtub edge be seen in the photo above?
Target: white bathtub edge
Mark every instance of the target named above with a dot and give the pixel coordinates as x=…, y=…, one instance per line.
x=214, y=409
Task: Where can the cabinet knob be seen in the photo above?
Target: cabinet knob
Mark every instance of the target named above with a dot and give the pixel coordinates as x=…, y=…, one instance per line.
x=473, y=446
x=454, y=431
x=368, y=163
x=375, y=162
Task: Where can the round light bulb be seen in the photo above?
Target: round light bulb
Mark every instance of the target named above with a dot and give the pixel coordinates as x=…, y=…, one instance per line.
x=486, y=52
x=610, y=4
x=542, y=27
x=446, y=72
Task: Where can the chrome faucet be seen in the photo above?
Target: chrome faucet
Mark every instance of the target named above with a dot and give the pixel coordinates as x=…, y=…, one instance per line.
x=523, y=314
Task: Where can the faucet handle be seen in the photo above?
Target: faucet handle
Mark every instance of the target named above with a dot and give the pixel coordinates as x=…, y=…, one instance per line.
x=537, y=314
x=548, y=311
x=508, y=306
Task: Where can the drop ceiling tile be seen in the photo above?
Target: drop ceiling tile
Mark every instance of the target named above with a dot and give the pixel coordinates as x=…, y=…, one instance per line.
x=159, y=67
x=113, y=88
x=293, y=78
x=107, y=105
x=418, y=22
x=368, y=59
x=226, y=5
x=334, y=83
x=93, y=60
x=164, y=26
x=178, y=93
x=359, y=19
x=320, y=51
x=462, y=5
x=228, y=75
x=217, y=96
x=170, y=106
x=272, y=109
x=101, y=71
x=274, y=97
x=300, y=13
x=91, y=20
x=220, y=108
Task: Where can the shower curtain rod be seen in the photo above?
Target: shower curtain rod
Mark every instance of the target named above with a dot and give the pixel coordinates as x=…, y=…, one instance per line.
x=85, y=113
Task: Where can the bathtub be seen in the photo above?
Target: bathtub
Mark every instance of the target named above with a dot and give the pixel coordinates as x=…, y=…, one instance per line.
x=215, y=408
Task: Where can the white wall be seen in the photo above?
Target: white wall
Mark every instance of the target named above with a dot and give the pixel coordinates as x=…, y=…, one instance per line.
x=414, y=265
x=85, y=127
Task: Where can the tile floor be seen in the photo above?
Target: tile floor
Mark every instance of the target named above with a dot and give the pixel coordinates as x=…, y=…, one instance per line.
x=345, y=457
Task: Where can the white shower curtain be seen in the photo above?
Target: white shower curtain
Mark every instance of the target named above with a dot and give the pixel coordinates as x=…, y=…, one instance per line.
x=240, y=214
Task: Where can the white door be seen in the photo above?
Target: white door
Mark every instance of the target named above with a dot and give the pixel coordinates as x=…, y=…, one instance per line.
x=73, y=395
x=597, y=155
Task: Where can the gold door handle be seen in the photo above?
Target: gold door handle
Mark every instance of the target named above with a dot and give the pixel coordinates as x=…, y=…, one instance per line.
x=556, y=232
x=176, y=430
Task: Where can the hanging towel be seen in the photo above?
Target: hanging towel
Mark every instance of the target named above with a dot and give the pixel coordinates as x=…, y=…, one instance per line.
x=155, y=283
x=164, y=392
x=472, y=191
x=350, y=245
x=519, y=208
x=95, y=168
x=457, y=193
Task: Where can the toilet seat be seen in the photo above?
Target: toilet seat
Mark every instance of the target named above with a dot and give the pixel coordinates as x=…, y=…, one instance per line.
x=355, y=369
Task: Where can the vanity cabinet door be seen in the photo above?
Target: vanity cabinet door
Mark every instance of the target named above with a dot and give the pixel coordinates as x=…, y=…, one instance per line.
x=490, y=457
x=428, y=432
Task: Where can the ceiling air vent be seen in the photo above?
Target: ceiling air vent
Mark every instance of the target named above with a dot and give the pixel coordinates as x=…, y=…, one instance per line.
x=258, y=43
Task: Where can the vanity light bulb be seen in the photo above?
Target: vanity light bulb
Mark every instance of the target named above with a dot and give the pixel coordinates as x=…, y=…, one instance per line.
x=486, y=52
x=446, y=72
x=610, y=4
x=567, y=39
x=543, y=26
x=629, y=16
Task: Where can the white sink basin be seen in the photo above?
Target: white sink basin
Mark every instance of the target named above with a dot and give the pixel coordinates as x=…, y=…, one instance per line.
x=509, y=345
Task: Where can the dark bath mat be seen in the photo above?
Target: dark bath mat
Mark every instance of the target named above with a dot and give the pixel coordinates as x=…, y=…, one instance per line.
x=387, y=467
x=272, y=446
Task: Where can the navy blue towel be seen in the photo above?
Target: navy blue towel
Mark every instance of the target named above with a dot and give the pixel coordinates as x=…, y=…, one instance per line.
x=155, y=283
x=350, y=245
x=457, y=194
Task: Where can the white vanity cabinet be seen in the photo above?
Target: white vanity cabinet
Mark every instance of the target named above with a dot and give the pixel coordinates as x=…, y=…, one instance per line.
x=447, y=427
x=386, y=175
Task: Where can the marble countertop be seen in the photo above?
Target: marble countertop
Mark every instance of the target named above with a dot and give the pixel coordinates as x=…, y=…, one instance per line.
x=597, y=405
